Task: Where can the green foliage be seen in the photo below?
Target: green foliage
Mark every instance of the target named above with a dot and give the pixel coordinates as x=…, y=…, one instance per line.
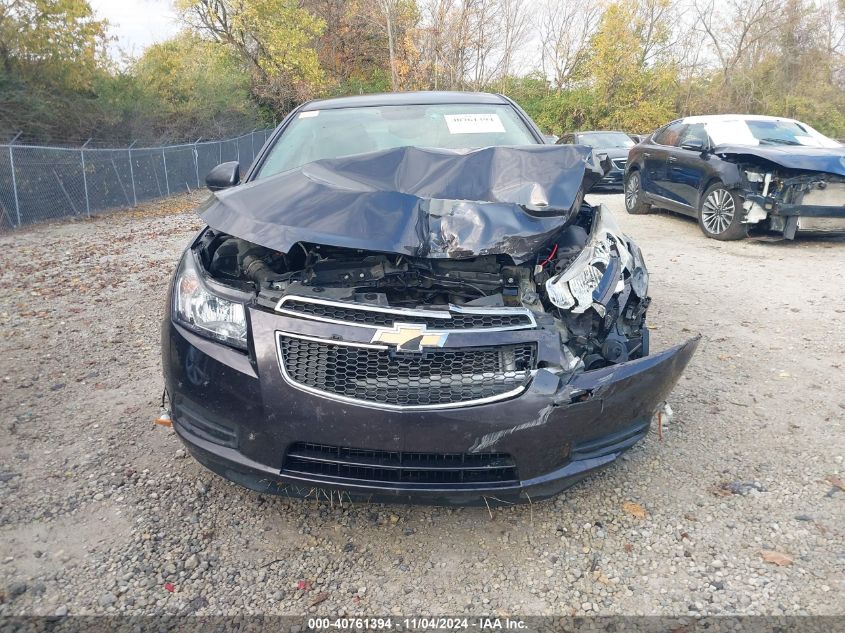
x=242, y=63
x=629, y=94
x=378, y=80
x=57, y=42
x=275, y=39
x=52, y=55
x=188, y=84
x=555, y=112
x=618, y=87
x=565, y=111
x=284, y=36
x=56, y=83
x=792, y=73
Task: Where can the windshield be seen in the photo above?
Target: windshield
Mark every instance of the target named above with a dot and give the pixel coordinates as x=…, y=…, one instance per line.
x=606, y=140
x=318, y=134
x=766, y=132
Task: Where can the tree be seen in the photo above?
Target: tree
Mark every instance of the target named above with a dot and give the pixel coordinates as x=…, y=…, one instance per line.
x=632, y=64
x=632, y=91
x=781, y=57
x=388, y=9
x=275, y=38
x=52, y=53
x=191, y=87
x=396, y=20
x=446, y=47
x=352, y=50
x=738, y=31
x=515, y=25
x=655, y=23
x=565, y=28
x=430, y=41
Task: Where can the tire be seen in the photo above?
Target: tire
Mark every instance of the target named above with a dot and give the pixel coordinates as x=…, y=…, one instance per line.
x=634, y=203
x=720, y=214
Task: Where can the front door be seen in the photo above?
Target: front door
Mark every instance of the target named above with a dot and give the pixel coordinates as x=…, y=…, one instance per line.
x=686, y=169
x=655, y=157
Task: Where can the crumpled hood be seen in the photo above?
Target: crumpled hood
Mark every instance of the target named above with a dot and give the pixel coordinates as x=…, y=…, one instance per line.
x=412, y=201
x=823, y=159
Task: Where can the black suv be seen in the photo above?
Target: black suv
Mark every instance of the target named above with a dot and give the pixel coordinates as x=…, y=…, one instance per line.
x=614, y=145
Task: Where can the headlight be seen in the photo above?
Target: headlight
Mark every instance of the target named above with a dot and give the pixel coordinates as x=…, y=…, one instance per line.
x=573, y=288
x=204, y=312
x=639, y=274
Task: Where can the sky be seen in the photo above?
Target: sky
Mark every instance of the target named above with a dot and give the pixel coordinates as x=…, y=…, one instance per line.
x=136, y=23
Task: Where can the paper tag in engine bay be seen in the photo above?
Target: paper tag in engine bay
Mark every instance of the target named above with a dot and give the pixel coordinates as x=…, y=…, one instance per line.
x=473, y=123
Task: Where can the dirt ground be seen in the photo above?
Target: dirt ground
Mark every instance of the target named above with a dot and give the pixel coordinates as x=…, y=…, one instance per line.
x=740, y=508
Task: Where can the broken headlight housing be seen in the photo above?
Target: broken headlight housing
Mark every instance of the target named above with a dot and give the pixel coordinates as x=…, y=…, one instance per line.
x=639, y=274
x=606, y=254
x=203, y=311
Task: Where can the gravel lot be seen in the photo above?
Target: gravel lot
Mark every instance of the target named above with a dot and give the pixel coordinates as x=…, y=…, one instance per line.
x=100, y=511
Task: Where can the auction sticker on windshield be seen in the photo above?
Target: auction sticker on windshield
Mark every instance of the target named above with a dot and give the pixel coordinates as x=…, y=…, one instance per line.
x=730, y=132
x=473, y=123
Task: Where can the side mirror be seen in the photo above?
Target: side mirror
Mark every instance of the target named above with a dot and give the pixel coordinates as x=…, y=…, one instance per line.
x=223, y=176
x=694, y=145
x=551, y=139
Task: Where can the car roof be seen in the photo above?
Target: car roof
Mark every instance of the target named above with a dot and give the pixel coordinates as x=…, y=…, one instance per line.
x=715, y=118
x=406, y=98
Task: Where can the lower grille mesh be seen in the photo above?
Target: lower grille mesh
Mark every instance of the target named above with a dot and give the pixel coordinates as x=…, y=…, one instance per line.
x=435, y=377
x=339, y=464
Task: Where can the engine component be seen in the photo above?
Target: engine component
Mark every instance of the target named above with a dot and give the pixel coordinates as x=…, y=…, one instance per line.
x=589, y=283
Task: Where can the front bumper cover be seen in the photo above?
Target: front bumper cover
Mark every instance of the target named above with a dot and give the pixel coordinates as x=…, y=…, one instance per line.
x=795, y=217
x=237, y=416
x=613, y=179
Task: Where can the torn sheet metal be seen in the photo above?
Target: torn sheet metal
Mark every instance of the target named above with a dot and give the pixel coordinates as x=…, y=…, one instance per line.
x=821, y=159
x=413, y=201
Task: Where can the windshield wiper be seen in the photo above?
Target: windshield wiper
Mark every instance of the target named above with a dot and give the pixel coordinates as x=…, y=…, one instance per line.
x=779, y=141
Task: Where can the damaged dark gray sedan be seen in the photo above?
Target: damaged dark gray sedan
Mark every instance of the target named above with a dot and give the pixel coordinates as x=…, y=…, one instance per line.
x=407, y=298
x=741, y=175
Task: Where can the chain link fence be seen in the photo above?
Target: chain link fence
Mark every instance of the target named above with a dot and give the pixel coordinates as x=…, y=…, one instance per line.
x=39, y=183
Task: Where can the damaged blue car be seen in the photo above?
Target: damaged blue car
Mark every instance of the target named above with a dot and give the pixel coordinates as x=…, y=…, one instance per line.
x=741, y=175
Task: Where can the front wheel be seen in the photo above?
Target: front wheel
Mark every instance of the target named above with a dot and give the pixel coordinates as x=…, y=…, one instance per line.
x=720, y=214
x=634, y=203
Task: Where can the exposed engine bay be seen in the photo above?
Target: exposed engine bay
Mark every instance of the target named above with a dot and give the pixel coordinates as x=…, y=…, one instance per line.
x=449, y=325
x=768, y=187
x=784, y=192
x=588, y=283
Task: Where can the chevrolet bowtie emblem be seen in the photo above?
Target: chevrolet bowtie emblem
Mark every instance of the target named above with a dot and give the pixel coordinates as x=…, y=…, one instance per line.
x=409, y=337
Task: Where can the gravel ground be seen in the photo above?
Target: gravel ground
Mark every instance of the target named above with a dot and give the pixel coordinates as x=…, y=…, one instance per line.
x=100, y=511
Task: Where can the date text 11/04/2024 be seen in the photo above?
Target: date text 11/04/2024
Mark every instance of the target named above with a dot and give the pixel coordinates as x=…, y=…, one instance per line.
x=416, y=624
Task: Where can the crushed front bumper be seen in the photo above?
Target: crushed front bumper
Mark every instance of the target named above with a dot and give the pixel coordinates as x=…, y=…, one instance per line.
x=238, y=416
x=810, y=218
x=791, y=218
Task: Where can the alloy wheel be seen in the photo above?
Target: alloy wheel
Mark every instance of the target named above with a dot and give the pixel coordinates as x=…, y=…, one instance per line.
x=632, y=191
x=718, y=211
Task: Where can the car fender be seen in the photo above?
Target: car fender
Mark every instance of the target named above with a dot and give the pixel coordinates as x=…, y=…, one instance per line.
x=724, y=172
